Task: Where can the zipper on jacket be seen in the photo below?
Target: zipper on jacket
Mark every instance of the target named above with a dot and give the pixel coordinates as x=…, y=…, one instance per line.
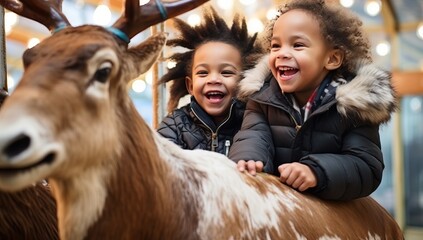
x=215, y=140
x=227, y=145
x=297, y=126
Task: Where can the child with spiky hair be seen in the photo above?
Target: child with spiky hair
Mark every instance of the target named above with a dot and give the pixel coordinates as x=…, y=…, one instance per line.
x=314, y=118
x=209, y=71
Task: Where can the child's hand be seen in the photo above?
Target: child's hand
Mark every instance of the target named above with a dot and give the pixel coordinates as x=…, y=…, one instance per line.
x=297, y=175
x=252, y=166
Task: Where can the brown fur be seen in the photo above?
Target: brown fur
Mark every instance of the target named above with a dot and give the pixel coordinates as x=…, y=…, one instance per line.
x=360, y=215
x=129, y=186
x=28, y=214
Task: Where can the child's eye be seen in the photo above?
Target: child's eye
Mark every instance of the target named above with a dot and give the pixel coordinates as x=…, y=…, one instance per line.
x=201, y=73
x=298, y=45
x=228, y=73
x=275, y=46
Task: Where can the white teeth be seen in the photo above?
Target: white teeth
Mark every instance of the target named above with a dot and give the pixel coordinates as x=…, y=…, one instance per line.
x=214, y=93
x=286, y=68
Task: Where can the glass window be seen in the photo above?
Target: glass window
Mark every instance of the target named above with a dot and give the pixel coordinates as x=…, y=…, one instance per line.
x=412, y=128
x=385, y=192
x=410, y=51
x=412, y=8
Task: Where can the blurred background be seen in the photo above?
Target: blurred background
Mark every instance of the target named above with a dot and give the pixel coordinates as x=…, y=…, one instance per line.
x=395, y=29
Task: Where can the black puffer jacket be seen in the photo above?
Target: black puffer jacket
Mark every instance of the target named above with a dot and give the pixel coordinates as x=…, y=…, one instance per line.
x=192, y=128
x=339, y=141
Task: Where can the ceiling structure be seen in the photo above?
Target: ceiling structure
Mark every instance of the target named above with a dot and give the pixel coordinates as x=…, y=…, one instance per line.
x=396, y=25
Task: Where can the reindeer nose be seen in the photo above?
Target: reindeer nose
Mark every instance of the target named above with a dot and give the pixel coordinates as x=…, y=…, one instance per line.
x=17, y=146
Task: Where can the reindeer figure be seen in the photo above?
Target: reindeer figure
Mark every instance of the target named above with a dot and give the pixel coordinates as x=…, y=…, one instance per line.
x=70, y=120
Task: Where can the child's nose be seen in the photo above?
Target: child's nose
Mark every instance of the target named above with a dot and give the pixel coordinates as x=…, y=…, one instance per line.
x=214, y=78
x=284, y=52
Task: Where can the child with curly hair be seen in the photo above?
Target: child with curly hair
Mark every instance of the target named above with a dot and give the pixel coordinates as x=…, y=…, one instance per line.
x=209, y=71
x=313, y=119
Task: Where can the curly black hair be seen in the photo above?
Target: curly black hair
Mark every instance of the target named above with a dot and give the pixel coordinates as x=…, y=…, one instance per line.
x=340, y=27
x=212, y=29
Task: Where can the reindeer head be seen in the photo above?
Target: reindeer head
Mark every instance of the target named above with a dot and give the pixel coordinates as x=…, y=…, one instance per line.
x=74, y=87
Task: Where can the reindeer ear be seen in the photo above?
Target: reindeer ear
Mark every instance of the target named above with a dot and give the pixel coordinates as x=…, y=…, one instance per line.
x=145, y=54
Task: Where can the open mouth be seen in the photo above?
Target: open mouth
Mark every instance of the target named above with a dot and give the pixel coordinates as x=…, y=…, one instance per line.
x=287, y=71
x=48, y=159
x=215, y=95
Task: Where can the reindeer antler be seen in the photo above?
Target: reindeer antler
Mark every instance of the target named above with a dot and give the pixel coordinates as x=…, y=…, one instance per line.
x=47, y=12
x=137, y=18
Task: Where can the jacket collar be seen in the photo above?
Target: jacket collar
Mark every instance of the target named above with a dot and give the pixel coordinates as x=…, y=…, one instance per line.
x=235, y=114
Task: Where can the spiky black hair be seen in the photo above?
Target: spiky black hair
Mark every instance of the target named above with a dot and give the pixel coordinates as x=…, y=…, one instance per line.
x=212, y=29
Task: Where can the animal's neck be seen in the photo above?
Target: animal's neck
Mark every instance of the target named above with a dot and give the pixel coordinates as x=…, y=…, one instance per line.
x=139, y=193
x=79, y=204
x=131, y=196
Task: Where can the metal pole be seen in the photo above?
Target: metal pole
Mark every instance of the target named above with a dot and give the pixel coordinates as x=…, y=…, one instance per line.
x=3, y=70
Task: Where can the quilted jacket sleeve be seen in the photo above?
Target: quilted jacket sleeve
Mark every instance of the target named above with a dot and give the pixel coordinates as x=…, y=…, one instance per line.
x=254, y=140
x=354, y=173
x=168, y=129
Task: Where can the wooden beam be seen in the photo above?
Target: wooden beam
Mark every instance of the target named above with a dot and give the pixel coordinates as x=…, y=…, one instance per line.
x=115, y=5
x=408, y=83
x=23, y=34
x=390, y=18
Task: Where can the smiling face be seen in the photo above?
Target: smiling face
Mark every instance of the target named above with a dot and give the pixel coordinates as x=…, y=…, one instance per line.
x=216, y=69
x=300, y=57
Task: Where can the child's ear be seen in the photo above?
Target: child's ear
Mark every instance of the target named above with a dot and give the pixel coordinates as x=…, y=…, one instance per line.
x=335, y=59
x=188, y=84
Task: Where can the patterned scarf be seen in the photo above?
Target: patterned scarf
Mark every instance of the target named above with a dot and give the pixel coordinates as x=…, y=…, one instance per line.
x=325, y=90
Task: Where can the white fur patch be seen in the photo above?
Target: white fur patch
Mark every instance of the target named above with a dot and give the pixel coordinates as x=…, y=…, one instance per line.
x=369, y=95
x=224, y=189
x=254, y=78
x=83, y=204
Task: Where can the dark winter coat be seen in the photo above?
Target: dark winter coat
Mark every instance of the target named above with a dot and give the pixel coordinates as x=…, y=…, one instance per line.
x=192, y=128
x=339, y=141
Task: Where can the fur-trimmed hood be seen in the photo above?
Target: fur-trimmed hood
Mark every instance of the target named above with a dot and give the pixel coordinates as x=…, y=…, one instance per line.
x=369, y=96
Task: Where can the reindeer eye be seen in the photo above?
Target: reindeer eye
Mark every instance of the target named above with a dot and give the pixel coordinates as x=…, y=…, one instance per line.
x=103, y=72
